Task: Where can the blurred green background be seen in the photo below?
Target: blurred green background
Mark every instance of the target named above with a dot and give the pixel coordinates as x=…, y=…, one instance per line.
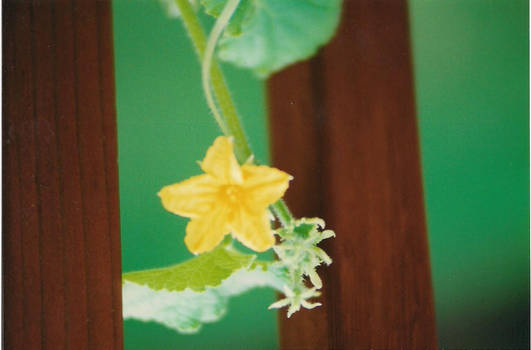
x=471, y=73
x=472, y=89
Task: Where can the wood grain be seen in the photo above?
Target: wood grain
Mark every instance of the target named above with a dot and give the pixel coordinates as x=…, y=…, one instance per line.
x=345, y=126
x=61, y=225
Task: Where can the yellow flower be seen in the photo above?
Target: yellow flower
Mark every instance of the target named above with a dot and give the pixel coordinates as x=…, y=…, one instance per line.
x=229, y=198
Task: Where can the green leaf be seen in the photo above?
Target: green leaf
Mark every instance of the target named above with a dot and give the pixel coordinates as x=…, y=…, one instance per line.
x=171, y=7
x=275, y=33
x=184, y=296
x=242, y=14
x=205, y=270
x=304, y=229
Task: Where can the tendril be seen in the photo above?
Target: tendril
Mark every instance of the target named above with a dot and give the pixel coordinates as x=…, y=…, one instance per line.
x=213, y=38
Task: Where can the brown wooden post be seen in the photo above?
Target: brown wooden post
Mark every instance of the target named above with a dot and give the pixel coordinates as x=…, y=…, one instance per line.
x=61, y=253
x=344, y=125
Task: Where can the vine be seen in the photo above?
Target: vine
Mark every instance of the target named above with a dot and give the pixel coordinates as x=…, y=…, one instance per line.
x=233, y=195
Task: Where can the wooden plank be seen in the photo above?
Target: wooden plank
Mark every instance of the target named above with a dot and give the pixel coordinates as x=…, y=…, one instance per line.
x=93, y=178
x=13, y=303
x=47, y=177
x=378, y=291
x=24, y=126
x=61, y=226
x=108, y=114
x=70, y=169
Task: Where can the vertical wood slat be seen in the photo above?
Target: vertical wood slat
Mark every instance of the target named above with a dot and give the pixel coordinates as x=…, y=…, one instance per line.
x=47, y=177
x=378, y=291
x=61, y=226
x=12, y=243
x=24, y=142
x=108, y=112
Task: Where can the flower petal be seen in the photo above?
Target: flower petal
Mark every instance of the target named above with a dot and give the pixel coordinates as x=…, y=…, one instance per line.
x=221, y=163
x=206, y=232
x=279, y=304
x=252, y=229
x=190, y=198
x=264, y=185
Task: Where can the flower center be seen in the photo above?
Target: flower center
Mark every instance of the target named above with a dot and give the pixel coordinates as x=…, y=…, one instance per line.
x=231, y=194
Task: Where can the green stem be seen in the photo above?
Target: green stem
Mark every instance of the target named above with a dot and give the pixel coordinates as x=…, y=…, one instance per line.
x=231, y=126
x=206, y=70
x=282, y=212
x=228, y=109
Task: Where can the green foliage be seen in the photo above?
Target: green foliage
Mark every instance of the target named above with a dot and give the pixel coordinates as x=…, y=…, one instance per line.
x=298, y=248
x=243, y=12
x=187, y=295
x=206, y=270
x=171, y=7
x=299, y=256
x=268, y=35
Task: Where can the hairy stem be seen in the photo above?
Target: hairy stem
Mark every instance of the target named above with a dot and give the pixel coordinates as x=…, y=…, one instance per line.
x=228, y=109
x=213, y=38
x=282, y=212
